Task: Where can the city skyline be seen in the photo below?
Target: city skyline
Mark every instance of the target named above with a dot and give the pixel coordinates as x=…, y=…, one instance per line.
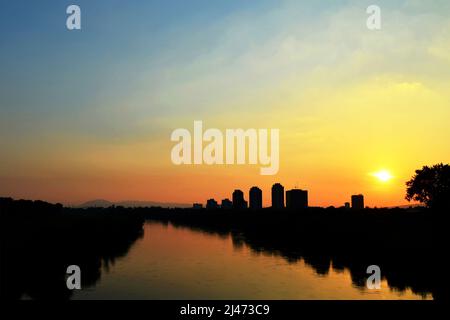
x=280, y=199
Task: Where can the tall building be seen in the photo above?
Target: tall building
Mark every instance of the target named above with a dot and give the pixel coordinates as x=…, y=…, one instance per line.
x=238, y=200
x=277, y=196
x=358, y=202
x=255, y=196
x=226, y=204
x=211, y=204
x=296, y=199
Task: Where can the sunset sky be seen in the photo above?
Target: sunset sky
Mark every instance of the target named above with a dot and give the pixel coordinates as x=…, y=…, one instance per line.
x=88, y=114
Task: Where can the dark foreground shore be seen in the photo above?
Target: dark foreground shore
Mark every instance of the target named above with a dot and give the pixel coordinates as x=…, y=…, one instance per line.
x=39, y=240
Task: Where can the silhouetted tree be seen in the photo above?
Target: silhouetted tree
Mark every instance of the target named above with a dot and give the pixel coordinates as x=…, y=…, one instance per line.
x=431, y=186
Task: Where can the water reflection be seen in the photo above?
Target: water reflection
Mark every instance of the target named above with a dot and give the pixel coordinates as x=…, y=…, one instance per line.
x=176, y=262
x=408, y=247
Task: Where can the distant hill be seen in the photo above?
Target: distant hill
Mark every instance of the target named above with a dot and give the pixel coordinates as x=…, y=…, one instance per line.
x=101, y=203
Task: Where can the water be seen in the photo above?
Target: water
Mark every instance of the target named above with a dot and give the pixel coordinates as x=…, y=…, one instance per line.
x=180, y=263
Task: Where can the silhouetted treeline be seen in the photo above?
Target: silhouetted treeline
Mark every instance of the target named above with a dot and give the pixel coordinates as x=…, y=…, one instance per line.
x=408, y=245
x=40, y=240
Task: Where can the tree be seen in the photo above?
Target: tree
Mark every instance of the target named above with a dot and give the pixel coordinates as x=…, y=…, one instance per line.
x=430, y=186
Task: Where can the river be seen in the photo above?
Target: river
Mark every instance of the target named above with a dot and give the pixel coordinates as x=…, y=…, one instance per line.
x=180, y=263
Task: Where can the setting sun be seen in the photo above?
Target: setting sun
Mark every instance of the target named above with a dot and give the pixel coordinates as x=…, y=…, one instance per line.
x=383, y=175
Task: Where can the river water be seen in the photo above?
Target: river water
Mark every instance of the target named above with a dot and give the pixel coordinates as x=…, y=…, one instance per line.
x=180, y=263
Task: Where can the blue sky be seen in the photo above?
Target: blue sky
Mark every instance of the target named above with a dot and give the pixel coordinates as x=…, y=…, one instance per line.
x=50, y=74
x=43, y=64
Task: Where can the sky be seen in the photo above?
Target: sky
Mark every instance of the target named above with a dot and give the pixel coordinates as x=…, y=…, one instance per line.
x=87, y=114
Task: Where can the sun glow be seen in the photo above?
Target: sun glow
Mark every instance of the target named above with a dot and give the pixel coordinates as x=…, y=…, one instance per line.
x=382, y=175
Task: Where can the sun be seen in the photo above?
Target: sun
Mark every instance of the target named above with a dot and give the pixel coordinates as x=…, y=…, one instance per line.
x=382, y=175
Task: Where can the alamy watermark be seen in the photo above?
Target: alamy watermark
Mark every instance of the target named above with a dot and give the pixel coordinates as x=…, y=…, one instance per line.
x=73, y=21
x=229, y=148
x=73, y=281
x=374, y=280
x=374, y=20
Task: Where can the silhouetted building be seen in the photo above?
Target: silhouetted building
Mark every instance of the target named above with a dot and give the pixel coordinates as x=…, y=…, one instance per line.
x=347, y=205
x=238, y=200
x=277, y=196
x=197, y=206
x=255, y=198
x=211, y=204
x=358, y=202
x=296, y=199
x=226, y=204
